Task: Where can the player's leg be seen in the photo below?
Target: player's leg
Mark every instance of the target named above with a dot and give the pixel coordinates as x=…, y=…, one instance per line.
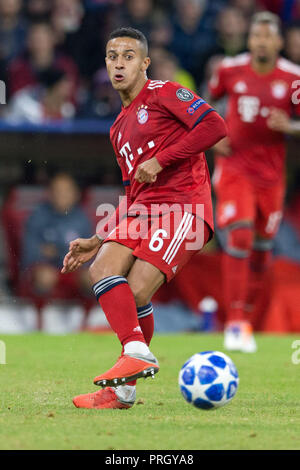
x=170, y=244
x=270, y=202
x=115, y=296
x=238, y=335
x=112, y=265
x=260, y=262
x=235, y=215
x=237, y=240
x=108, y=276
x=143, y=279
x=143, y=303
x=164, y=250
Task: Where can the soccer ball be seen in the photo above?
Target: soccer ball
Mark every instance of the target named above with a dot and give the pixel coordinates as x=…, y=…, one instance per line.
x=208, y=380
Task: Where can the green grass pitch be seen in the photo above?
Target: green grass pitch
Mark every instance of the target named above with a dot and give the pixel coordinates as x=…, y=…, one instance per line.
x=43, y=373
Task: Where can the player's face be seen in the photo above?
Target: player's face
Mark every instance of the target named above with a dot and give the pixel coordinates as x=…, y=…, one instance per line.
x=126, y=62
x=264, y=42
x=63, y=193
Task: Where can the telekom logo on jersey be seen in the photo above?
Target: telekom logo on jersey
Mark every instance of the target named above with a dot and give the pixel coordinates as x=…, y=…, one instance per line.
x=126, y=152
x=178, y=221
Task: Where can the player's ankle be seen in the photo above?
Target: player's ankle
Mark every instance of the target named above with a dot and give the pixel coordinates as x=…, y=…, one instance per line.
x=136, y=347
x=126, y=393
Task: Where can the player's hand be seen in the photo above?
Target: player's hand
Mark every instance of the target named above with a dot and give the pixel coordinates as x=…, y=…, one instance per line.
x=279, y=120
x=80, y=251
x=147, y=171
x=223, y=147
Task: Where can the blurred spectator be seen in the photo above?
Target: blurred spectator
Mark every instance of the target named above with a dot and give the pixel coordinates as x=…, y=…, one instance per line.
x=193, y=35
x=247, y=7
x=38, y=10
x=49, y=100
x=67, y=16
x=48, y=232
x=232, y=30
x=40, y=55
x=96, y=4
x=82, y=34
x=164, y=66
x=12, y=29
x=139, y=14
x=102, y=101
x=287, y=9
x=145, y=16
x=292, y=43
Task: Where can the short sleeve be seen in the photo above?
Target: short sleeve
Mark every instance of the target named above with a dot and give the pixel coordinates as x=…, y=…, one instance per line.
x=217, y=83
x=183, y=103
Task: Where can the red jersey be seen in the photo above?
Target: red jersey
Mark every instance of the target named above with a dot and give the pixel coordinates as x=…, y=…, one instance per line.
x=256, y=149
x=160, y=115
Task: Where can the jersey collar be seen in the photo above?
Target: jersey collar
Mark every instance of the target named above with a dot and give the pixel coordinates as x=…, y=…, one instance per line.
x=137, y=98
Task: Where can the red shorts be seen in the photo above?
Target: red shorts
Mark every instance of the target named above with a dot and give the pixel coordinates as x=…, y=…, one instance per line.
x=239, y=199
x=166, y=241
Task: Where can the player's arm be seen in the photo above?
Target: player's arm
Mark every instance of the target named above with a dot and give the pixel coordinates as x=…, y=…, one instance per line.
x=217, y=83
x=217, y=88
x=280, y=121
x=206, y=132
x=199, y=139
x=80, y=251
x=206, y=127
x=83, y=250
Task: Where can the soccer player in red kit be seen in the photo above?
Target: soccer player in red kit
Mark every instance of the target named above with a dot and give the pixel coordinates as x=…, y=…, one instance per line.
x=159, y=138
x=249, y=177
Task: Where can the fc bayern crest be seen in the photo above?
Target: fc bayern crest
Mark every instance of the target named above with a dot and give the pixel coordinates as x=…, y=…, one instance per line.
x=279, y=89
x=184, y=95
x=142, y=114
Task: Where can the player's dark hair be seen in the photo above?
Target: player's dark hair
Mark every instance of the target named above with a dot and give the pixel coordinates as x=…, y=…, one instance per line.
x=266, y=17
x=129, y=32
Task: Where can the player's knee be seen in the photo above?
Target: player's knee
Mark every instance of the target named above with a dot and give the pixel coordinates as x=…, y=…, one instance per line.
x=240, y=241
x=140, y=293
x=98, y=271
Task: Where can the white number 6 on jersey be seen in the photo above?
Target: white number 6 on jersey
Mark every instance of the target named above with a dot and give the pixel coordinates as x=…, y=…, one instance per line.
x=156, y=243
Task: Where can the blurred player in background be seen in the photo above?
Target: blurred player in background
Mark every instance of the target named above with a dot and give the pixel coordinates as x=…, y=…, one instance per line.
x=159, y=139
x=249, y=178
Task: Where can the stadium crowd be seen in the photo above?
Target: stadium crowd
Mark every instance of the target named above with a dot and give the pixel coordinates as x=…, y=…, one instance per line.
x=52, y=51
x=52, y=62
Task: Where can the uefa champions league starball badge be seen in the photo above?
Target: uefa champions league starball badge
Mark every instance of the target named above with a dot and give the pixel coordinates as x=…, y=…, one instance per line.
x=142, y=114
x=184, y=95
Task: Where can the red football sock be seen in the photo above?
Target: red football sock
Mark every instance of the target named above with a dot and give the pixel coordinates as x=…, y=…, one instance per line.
x=260, y=261
x=147, y=326
x=235, y=285
x=117, y=301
